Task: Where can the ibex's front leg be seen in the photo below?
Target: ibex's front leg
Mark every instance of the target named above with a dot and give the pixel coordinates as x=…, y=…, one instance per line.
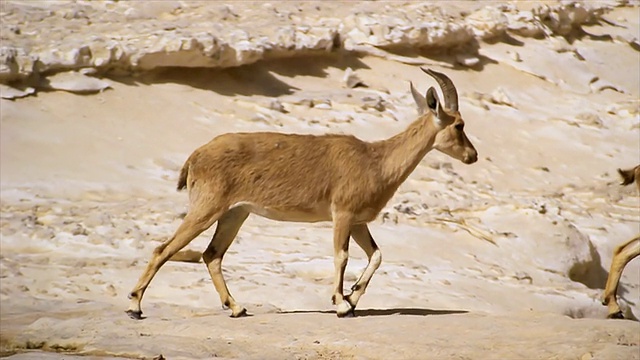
x=621, y=256
x=363, y=238
x=341, y=231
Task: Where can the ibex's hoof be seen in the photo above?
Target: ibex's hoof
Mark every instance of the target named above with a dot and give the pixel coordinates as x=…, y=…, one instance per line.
x=348, y=299
x=617, y=315
x=349, y=314
x=345, y=310
x=241, y=313
x=136, y=315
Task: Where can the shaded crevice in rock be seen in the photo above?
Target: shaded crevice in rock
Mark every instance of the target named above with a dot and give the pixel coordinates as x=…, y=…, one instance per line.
x=260, y=78
x=589, y=271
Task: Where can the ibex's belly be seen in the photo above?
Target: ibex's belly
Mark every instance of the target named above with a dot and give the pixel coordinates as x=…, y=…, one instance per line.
x=297, y=214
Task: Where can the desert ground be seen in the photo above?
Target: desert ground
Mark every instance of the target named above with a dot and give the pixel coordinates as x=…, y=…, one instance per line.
x=103, y=101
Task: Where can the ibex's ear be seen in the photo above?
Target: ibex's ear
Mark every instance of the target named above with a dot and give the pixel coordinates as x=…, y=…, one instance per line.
x=434, y=105
x=421, y=102
x=432, y=100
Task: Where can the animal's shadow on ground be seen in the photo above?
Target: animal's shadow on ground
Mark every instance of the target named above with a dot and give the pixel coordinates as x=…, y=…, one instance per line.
x=383, y=312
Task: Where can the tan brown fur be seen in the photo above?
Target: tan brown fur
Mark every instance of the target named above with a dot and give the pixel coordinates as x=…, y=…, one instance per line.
x=304, y=171
x=630, y=175
x=622, y=254
x=306, y=178
x=182, y=180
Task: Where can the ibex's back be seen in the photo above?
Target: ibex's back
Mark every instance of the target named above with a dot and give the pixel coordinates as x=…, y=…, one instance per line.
x=290, y=177
x=307, y=178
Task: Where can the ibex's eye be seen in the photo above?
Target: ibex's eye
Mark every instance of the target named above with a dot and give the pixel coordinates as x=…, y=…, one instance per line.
x=460, y=126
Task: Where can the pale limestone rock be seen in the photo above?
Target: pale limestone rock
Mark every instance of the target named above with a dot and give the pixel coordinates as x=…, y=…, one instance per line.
x=351, y=80
x=524, y=23
x=373, y=102
x=589, y=118
x=15, y=64
x=500, y=97
x=9, y=67
x=560, y=45
x=146, y=35
x=152, y=9
x=563, y=19
x=466, y=60
x=487, y=23
x=600, y=85
x=9, y=92
x=74, y=82
x=276, y=105
x=322, y=104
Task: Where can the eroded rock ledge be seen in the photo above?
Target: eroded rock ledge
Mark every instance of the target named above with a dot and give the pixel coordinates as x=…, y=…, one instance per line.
x=40, y=38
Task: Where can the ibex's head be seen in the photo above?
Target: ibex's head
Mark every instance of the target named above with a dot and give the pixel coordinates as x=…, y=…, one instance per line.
x=450, y=138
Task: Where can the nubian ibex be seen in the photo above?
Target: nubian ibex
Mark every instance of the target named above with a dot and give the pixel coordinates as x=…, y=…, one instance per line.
x=306, y=178
x=622, y=254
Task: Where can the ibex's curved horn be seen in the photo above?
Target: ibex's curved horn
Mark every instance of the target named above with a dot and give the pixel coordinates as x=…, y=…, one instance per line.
x=448, y=89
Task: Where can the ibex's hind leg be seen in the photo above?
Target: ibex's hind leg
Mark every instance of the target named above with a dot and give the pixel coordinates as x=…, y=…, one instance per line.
x=621, y=256
x=195, y=222
x=226, y=231
x=363, y=238
x=341, y=232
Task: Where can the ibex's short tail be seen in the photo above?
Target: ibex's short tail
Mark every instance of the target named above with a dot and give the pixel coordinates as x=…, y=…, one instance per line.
x=629, y=176
x=182, y=181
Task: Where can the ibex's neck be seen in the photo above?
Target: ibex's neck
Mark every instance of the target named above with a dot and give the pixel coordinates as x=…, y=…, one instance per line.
x=403, y=152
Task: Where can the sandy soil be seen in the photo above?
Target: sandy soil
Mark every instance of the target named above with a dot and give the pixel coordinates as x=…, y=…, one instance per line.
x=504, y=259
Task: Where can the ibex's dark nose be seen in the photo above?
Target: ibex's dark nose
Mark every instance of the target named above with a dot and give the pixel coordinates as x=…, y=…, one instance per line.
x=470, y=157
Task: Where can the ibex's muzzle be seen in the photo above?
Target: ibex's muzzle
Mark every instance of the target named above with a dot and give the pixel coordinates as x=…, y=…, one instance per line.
x=470, y=157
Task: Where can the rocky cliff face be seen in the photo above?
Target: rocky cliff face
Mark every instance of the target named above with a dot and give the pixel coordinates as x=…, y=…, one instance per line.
x=97, y=38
